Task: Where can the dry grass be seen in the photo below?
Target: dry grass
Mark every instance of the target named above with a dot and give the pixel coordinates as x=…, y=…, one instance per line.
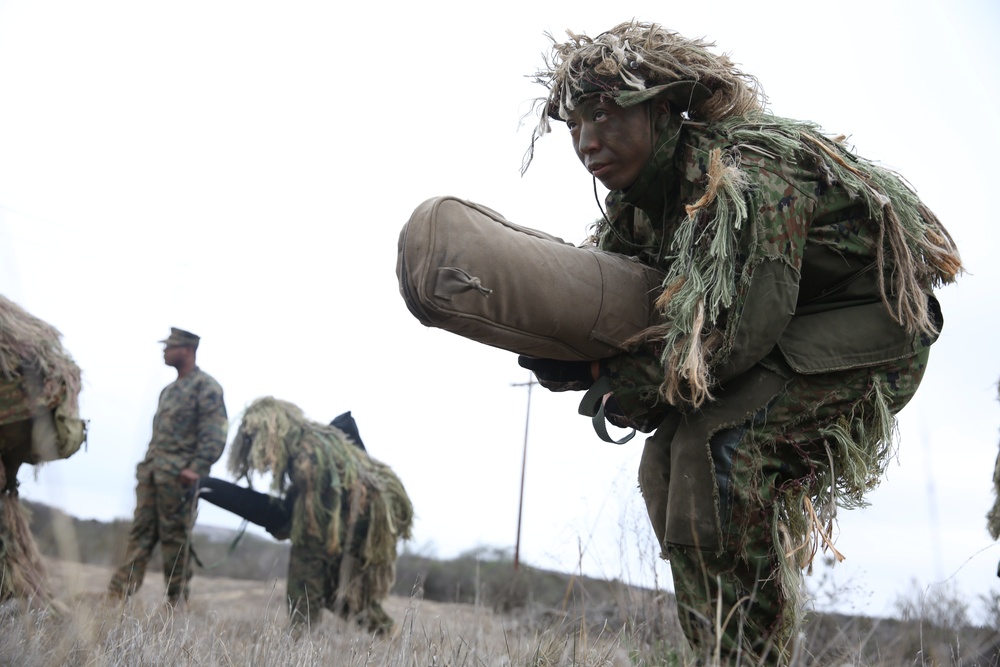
x=474, y=610
x=241, y=622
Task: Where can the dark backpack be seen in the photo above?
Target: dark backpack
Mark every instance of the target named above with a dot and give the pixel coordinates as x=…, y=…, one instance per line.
x=346, y=423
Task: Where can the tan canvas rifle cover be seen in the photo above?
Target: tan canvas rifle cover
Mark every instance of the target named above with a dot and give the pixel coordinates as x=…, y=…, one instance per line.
x=462, y=267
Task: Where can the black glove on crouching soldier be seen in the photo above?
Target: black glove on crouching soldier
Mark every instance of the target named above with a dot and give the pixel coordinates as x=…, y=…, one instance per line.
x=556, y=375
x=614, y=414
x=599, y=403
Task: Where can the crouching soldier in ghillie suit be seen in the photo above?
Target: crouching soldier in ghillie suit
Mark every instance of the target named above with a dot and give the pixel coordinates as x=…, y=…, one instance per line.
x=796, y=318
x=347, y=512
x=39, y=422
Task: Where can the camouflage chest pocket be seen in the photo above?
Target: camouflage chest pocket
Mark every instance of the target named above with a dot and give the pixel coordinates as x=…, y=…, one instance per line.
x=179, y=411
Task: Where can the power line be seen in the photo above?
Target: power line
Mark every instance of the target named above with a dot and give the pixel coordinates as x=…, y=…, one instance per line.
x=524, y=461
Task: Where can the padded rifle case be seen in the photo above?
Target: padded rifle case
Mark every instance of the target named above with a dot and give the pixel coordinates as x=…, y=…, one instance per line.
x=258, y=508
x=462, y=267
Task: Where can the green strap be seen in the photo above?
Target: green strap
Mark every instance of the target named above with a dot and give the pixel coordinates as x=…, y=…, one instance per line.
x=592, y=406
x=229, y=550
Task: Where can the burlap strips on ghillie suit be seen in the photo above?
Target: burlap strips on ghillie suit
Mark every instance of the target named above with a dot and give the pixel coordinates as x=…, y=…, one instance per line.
x=915, y=249
x=39, y=422
x=337, y=487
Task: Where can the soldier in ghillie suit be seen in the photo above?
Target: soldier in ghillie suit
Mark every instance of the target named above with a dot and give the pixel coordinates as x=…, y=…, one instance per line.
x=797, y=315
x=39, y=422
x=189, y=435
x=347, y=512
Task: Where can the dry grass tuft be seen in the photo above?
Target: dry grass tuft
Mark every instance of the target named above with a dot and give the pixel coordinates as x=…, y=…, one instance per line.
x=240, y=622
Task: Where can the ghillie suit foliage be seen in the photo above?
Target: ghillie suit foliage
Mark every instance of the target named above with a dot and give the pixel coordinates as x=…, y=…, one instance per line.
x=336, y=486
x=39, y=422
x=39, y=388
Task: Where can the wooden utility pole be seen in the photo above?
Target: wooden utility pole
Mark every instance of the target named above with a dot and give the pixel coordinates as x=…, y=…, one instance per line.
x=524, y=460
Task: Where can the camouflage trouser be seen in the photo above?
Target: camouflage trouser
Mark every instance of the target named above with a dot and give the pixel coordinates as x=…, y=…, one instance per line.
x=770, y=470
x=22, y=574
x=22, y=571
x=317, y=581
x=164, y=514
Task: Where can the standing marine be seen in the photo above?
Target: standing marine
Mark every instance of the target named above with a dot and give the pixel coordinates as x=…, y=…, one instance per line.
x=796, y=317
x=189, y=435
x=39, y=422
x=346, y=511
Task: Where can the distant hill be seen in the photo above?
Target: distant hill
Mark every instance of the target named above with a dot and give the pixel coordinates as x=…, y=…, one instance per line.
x=483, y=576
x=486, y=578
x=97, y=543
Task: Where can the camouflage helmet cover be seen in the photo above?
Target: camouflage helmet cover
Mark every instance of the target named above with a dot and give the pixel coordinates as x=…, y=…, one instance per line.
x=634, y=62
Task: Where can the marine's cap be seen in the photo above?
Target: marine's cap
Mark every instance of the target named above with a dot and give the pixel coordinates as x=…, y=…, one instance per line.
x=179, y=337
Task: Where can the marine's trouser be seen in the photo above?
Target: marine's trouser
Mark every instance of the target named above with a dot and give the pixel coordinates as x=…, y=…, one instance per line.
x=769, y=470
x=311, y=582
x=339, y=582
x=164, y=514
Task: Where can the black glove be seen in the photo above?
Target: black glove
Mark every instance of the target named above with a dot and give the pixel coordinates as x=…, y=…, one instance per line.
x=556, y=375
x=646, y=422
x=613, y=413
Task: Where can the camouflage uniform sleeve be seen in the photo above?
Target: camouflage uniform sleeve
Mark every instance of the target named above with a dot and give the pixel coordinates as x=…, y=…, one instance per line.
x=768, y=288
x=213, y=426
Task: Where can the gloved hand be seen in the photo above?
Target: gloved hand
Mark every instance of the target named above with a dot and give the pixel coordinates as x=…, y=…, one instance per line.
x=556, y=375
x=613, y=413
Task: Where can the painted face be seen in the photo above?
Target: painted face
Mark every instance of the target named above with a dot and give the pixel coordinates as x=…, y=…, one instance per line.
x=612, y=142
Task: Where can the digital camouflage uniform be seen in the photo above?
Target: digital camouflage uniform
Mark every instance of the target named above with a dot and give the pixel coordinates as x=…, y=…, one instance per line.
x=189, y=431
x=39, y=422
x=788, y=342
x=348, y=511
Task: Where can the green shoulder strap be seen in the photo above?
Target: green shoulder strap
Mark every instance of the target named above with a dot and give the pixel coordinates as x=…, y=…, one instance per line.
x=592, y=406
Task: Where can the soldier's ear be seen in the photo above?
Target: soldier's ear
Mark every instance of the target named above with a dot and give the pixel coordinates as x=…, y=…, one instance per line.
x=660, y=113
x=660, y=110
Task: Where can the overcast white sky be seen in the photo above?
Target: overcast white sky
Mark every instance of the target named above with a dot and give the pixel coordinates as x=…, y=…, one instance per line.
x=242, y=169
